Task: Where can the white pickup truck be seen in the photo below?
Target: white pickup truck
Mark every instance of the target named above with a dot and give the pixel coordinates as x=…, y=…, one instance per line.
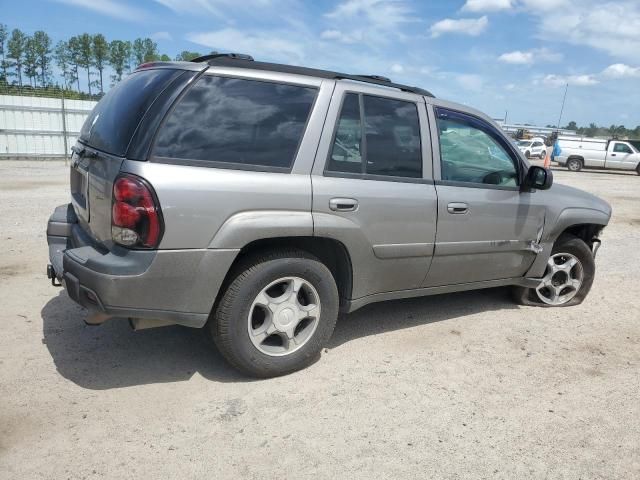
x=580, y=152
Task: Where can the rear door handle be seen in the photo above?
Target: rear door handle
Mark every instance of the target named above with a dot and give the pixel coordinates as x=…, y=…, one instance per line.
x=457, y=208
x=343, y=204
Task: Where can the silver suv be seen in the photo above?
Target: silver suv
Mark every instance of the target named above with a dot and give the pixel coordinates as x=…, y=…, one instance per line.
x=260, y=200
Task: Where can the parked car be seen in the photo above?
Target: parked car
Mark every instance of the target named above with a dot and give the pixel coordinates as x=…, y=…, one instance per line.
x=582, y=152
x=260, y=200
x=533, y=148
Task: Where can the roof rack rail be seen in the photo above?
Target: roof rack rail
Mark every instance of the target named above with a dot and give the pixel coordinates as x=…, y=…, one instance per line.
x=376, y=77
x=213, y=56
x=246, y=61
x=383, y=81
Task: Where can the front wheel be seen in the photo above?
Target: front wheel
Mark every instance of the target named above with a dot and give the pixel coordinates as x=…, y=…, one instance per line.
x=567, y=279
x=277, y=314
x=543, y=154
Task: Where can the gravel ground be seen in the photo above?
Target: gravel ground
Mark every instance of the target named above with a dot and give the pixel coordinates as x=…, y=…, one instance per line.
x=465, y=385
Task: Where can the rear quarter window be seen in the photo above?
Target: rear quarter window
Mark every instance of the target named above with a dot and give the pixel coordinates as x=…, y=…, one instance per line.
x=115, y=118
x=236, y=122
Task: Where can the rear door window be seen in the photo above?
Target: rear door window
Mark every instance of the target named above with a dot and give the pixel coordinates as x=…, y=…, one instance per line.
x=389, y=139
x=231, y=122
x=114, y=119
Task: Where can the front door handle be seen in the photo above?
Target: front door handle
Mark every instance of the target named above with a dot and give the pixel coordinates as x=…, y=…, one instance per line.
x=457, y=208
x=343, y=204
x=613, y=154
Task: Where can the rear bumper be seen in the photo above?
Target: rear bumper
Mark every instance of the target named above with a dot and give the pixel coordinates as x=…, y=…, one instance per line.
x=177, y=286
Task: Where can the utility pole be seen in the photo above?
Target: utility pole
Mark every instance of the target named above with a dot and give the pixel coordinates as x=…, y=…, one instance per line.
x=562, y=107
x=505, y=116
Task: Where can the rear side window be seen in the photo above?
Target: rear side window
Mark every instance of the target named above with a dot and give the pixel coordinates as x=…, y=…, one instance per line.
x=237, y=122
x=114, y=119
x=388, y=143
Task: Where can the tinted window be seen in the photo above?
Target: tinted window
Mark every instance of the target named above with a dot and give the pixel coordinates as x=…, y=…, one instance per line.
x=346, y=151
x=470, y=151
x=114, y=119
x=391, y=138
x=621, y=148
x=392, y=132
x=237, y=121
x=537, y=144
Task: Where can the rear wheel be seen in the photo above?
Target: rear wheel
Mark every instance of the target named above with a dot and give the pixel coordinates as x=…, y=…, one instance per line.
x=277, y=314
x=567, y=279
x=574, y=164
x=543, y=154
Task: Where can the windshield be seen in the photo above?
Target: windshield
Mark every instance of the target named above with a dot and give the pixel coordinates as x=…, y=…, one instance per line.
x=524, y=143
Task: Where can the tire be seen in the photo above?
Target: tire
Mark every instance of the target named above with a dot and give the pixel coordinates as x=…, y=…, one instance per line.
x=569, y=245
x=527, y=154
x=638, y=169
x=574, y=164
x=543, y=154
x=233, y=326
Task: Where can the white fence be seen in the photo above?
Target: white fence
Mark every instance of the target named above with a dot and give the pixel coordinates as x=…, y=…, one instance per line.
x=36, y=127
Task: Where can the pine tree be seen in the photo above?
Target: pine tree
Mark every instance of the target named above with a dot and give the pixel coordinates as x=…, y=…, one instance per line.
x=85, y=56
x=100, y=51
x=16, y=48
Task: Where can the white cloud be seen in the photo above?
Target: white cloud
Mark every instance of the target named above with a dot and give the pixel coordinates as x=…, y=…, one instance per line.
x=336, y=35
x=110, y=8
x=261, y=44
x=612, y=27
x=218, y=8
x=470, y=81
x=397, y=68
x=157, y=36
x=576, y=80
x=384, y=14
x=517, y=57
x=620, y=70
x=463, y=26
x=546, y=5
x=487, y=5
x=529, y=57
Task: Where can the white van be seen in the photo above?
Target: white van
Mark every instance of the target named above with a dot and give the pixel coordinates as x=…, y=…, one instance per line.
x=581, y=152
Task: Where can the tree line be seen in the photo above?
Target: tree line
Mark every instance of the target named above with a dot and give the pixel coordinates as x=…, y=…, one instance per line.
x=28, y=60
x=593, y=130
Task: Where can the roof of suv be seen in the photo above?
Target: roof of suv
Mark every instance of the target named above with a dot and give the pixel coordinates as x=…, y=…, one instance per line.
x=246, y=61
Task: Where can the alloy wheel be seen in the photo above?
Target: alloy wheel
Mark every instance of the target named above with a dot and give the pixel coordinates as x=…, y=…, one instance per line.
x=284, y=316
x=562, y=280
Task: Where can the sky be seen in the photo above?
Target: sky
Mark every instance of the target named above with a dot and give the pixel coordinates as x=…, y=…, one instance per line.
x=499, y=56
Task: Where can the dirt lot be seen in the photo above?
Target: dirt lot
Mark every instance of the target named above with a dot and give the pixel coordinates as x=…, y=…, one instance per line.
x=465, y=385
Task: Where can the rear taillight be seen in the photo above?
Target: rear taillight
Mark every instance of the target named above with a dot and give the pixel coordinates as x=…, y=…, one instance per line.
x=136, y=218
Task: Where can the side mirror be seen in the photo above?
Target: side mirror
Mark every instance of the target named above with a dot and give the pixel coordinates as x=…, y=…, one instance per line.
x=538, y=178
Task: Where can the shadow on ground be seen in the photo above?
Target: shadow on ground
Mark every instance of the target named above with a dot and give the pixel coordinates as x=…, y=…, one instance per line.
x=114, y=356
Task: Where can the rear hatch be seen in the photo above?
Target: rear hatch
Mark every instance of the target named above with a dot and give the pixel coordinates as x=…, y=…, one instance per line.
x=106, y=137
